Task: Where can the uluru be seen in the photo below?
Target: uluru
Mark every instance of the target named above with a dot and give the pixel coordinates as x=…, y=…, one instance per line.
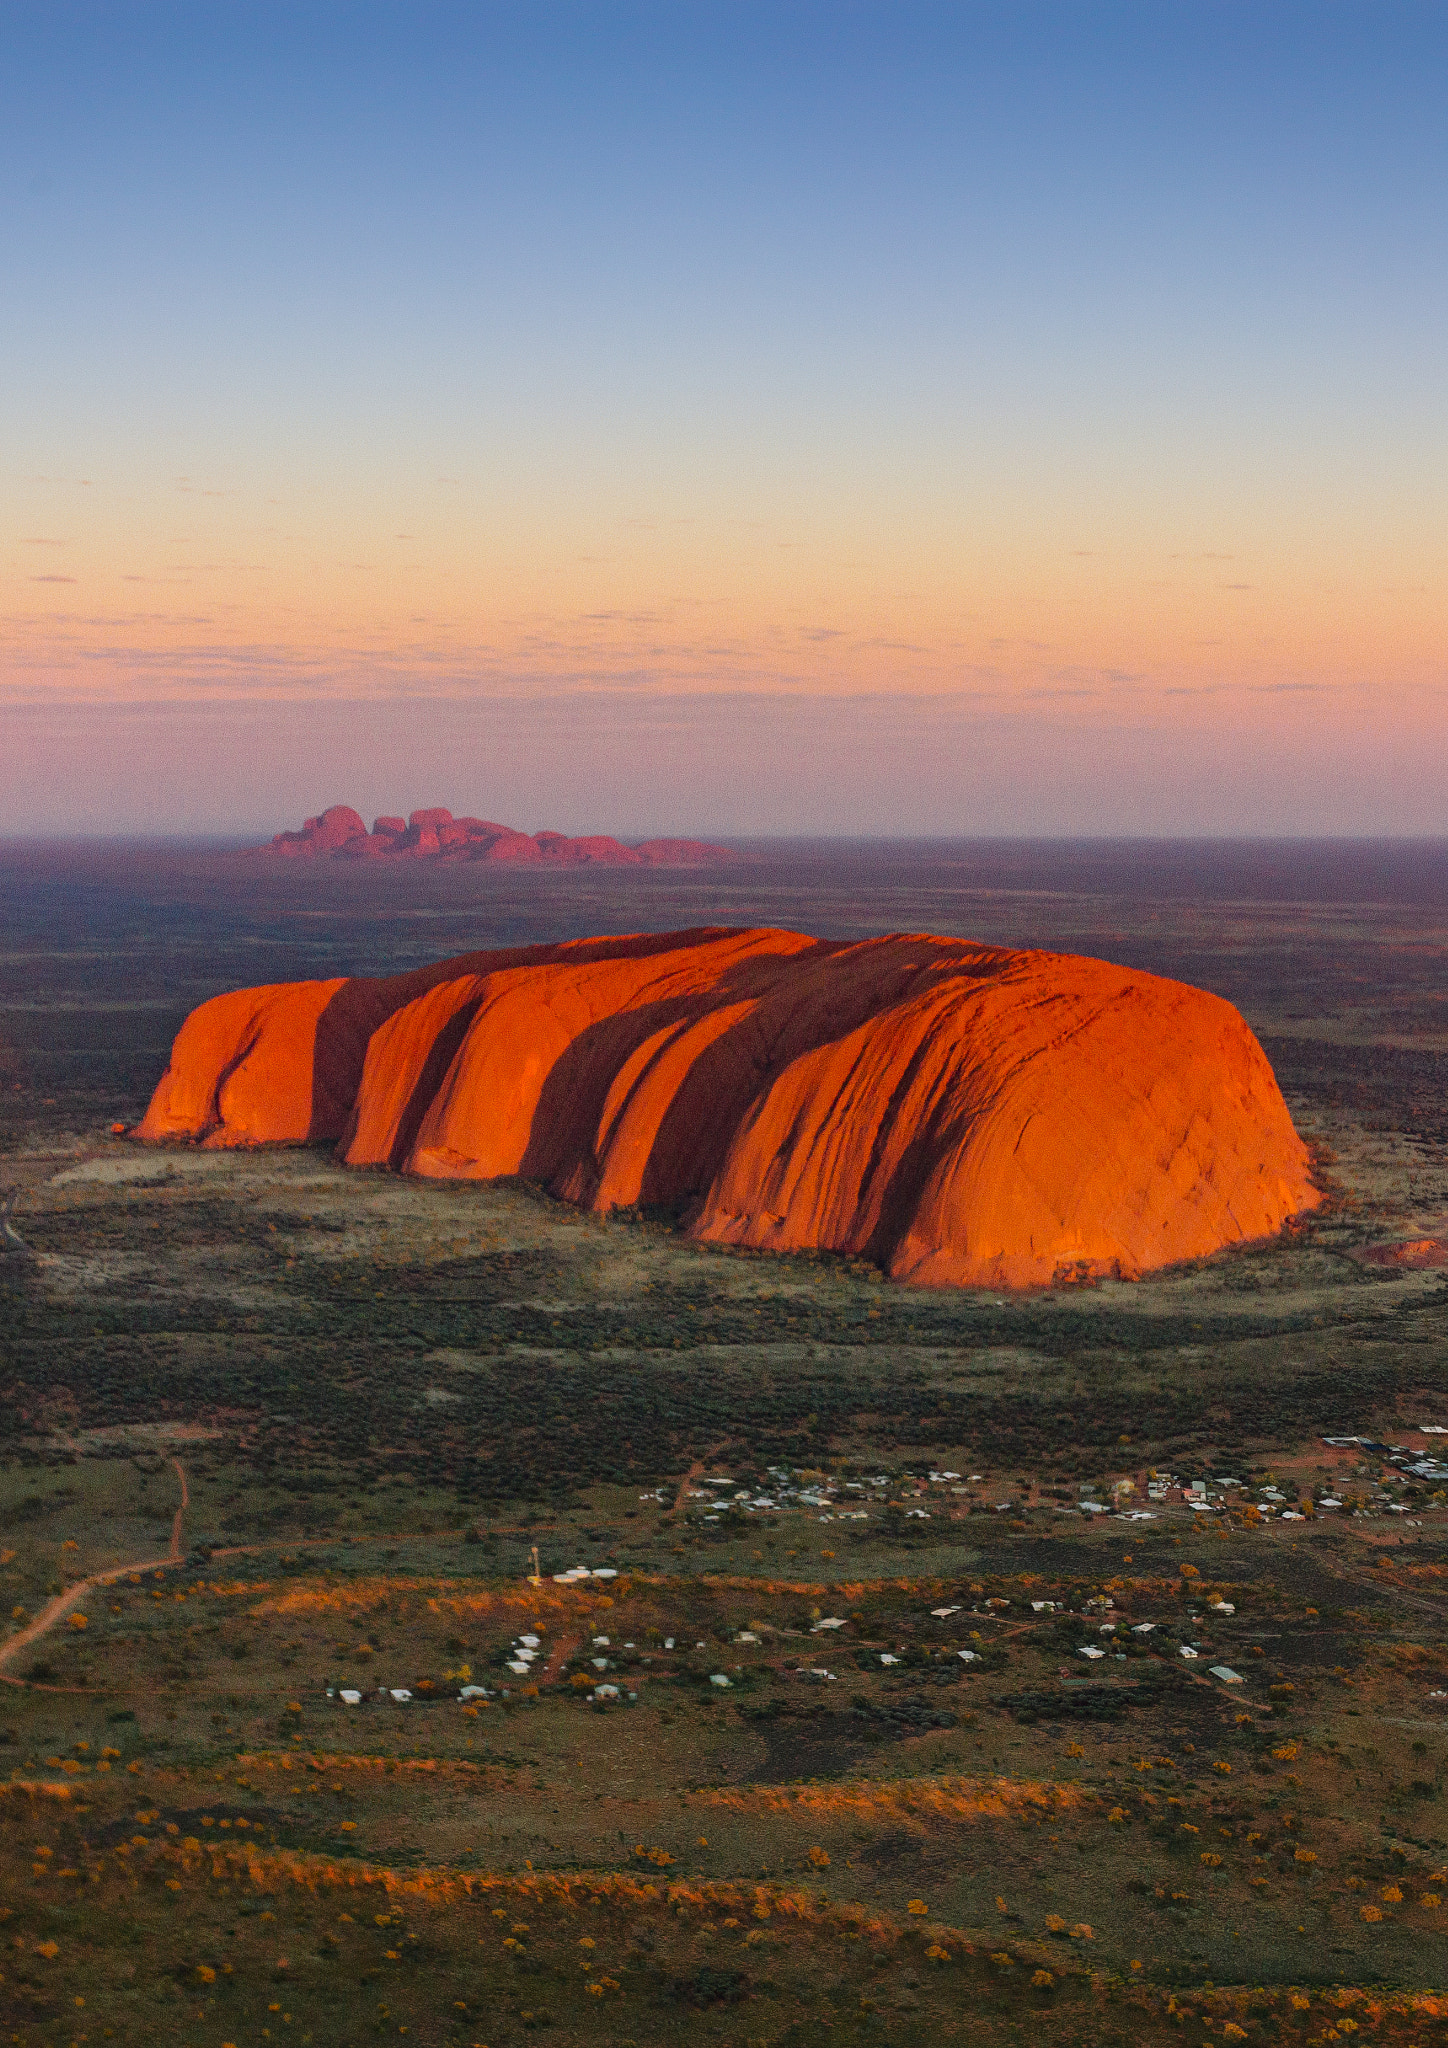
x=960, y=1114
x=340, y=833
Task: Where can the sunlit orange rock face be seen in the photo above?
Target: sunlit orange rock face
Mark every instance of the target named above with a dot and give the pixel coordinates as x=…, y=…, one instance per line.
x=960, y=1114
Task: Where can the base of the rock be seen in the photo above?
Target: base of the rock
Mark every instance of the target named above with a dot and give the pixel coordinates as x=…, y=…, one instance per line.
x=960, y=1114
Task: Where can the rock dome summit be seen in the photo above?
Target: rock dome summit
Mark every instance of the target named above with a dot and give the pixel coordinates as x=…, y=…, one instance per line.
x=960, y=1114
x=436, y=835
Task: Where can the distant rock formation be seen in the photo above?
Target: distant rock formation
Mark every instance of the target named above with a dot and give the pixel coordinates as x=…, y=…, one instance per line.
x=960, y=1114
x=340, y=834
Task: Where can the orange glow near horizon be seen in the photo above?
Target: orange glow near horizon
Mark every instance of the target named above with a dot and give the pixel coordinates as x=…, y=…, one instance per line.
x=199, y=592
x=1084, y=376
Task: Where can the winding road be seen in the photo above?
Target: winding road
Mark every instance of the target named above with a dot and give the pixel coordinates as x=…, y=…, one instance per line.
x=63, y=1603
x=12, y=1244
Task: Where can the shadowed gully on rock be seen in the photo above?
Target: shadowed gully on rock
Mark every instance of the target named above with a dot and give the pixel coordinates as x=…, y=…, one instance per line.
x=961, y=1114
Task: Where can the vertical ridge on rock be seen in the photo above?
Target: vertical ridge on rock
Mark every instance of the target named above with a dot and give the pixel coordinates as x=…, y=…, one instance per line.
x=962, y=1114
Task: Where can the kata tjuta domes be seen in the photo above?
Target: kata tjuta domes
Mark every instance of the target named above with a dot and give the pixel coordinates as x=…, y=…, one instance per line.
x=340, y=834
x=958, y=1113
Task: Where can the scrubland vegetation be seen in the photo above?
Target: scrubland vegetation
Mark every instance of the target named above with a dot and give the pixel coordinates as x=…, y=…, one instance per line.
x=819, y=1755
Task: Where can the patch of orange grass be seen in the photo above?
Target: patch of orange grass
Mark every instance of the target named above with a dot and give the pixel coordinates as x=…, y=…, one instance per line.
x=440, y=1596
x=268, y=1869
x=906, y=1799
x=838, y=1589
x=33, y=1788
x=851, y=1591
x=787, y=1907
x=464, y=1597
x=328, y=1760
x=733, y=1582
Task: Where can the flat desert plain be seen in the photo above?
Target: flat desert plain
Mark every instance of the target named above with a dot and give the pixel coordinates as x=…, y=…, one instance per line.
x=437, y=1612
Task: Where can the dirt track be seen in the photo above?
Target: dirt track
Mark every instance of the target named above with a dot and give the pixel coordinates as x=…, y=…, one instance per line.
x=63, y=1603
x=12, y=1244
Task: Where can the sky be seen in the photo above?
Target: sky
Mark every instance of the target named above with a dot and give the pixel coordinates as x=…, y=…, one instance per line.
x=737, y=419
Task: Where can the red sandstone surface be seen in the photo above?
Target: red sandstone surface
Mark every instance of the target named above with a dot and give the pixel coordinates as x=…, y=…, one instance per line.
x=340, y=834
x=961, y=1114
